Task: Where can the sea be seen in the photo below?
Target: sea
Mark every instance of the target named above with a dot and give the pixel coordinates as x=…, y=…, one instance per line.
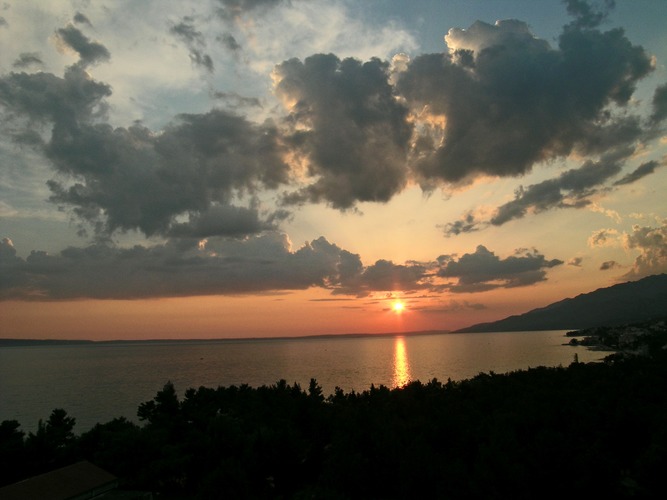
x=96, y=382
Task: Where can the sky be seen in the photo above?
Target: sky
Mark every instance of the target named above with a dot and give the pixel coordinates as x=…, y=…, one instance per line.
x=258, y=168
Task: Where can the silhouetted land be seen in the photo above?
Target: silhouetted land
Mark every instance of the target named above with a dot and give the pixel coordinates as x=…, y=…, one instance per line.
x=597, y=429
x=630, y=302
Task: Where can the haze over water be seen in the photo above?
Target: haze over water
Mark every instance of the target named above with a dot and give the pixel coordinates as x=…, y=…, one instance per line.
x=97, y=382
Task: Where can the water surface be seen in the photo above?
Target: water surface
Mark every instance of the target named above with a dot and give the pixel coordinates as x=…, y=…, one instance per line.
x=97, y=382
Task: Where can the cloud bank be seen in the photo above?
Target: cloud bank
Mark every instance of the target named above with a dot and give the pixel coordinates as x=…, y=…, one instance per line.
x=496, y=102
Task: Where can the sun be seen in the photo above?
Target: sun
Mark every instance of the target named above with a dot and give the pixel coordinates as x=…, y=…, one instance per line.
x=398, y=306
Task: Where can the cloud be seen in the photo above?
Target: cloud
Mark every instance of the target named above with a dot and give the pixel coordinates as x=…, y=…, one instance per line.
x=651, y=242
x=659, y=104
x=483, y=270
x=609, y=265
x=384, y=275
x=575, y=261
x=195, y=41
x=347, y=124
x=120, y=179
x=178, y=268
x=234, y=9
x=503, y=100
x=234, y=100
x=229, y=42
x=80, y=18
x=28, y=59
x=62, y=101
x=266, y=262
x=451, y=306
x=586, y=15
x=89, y=52
x=569, y=190
x=641, y=171
x=603, y=237
x=466, y=224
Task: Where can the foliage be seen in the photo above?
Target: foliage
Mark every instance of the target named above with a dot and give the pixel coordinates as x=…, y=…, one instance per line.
x=595, y=429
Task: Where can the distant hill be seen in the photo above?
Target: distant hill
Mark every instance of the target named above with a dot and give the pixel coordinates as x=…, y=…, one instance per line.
x=629, y=302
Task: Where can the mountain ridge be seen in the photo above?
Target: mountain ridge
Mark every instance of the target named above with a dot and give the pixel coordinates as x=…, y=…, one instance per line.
x=619, y=304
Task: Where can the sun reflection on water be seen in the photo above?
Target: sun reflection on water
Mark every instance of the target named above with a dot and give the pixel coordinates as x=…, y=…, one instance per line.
x=401, y=364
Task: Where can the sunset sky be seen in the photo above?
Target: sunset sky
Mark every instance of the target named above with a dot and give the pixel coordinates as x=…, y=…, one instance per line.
x=243, y=168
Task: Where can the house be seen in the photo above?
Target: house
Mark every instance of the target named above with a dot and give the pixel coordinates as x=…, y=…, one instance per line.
x=79, y=481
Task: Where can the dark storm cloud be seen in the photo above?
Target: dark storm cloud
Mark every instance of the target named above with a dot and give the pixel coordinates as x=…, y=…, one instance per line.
x=509, y=100
x=194, y=40
x=181, y=268
x=659, y=104
x=349, y=126
x=132, y=178
x=28, y=59
x=641, y=171
x=483, y=270
x=89, y=52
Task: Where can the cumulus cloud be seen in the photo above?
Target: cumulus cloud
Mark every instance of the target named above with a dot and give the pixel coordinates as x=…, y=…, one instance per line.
x=503, y=100
x=483, y=270
x=651, y=242
x=266, y=262
x=132, y=178
x=89, y=52
x=346, y=122
x=178, y=268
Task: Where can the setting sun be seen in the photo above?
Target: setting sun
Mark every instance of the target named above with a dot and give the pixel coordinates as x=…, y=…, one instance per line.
x=398, y=306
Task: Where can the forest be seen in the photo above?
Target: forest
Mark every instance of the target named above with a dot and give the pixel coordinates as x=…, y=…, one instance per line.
x=586, y=429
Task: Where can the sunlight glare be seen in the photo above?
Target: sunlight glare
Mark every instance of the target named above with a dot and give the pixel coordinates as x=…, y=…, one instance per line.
x=401, y=364
x=398, y=306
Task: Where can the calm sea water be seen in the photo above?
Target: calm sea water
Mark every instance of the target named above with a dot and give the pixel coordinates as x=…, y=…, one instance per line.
x=95, y=383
